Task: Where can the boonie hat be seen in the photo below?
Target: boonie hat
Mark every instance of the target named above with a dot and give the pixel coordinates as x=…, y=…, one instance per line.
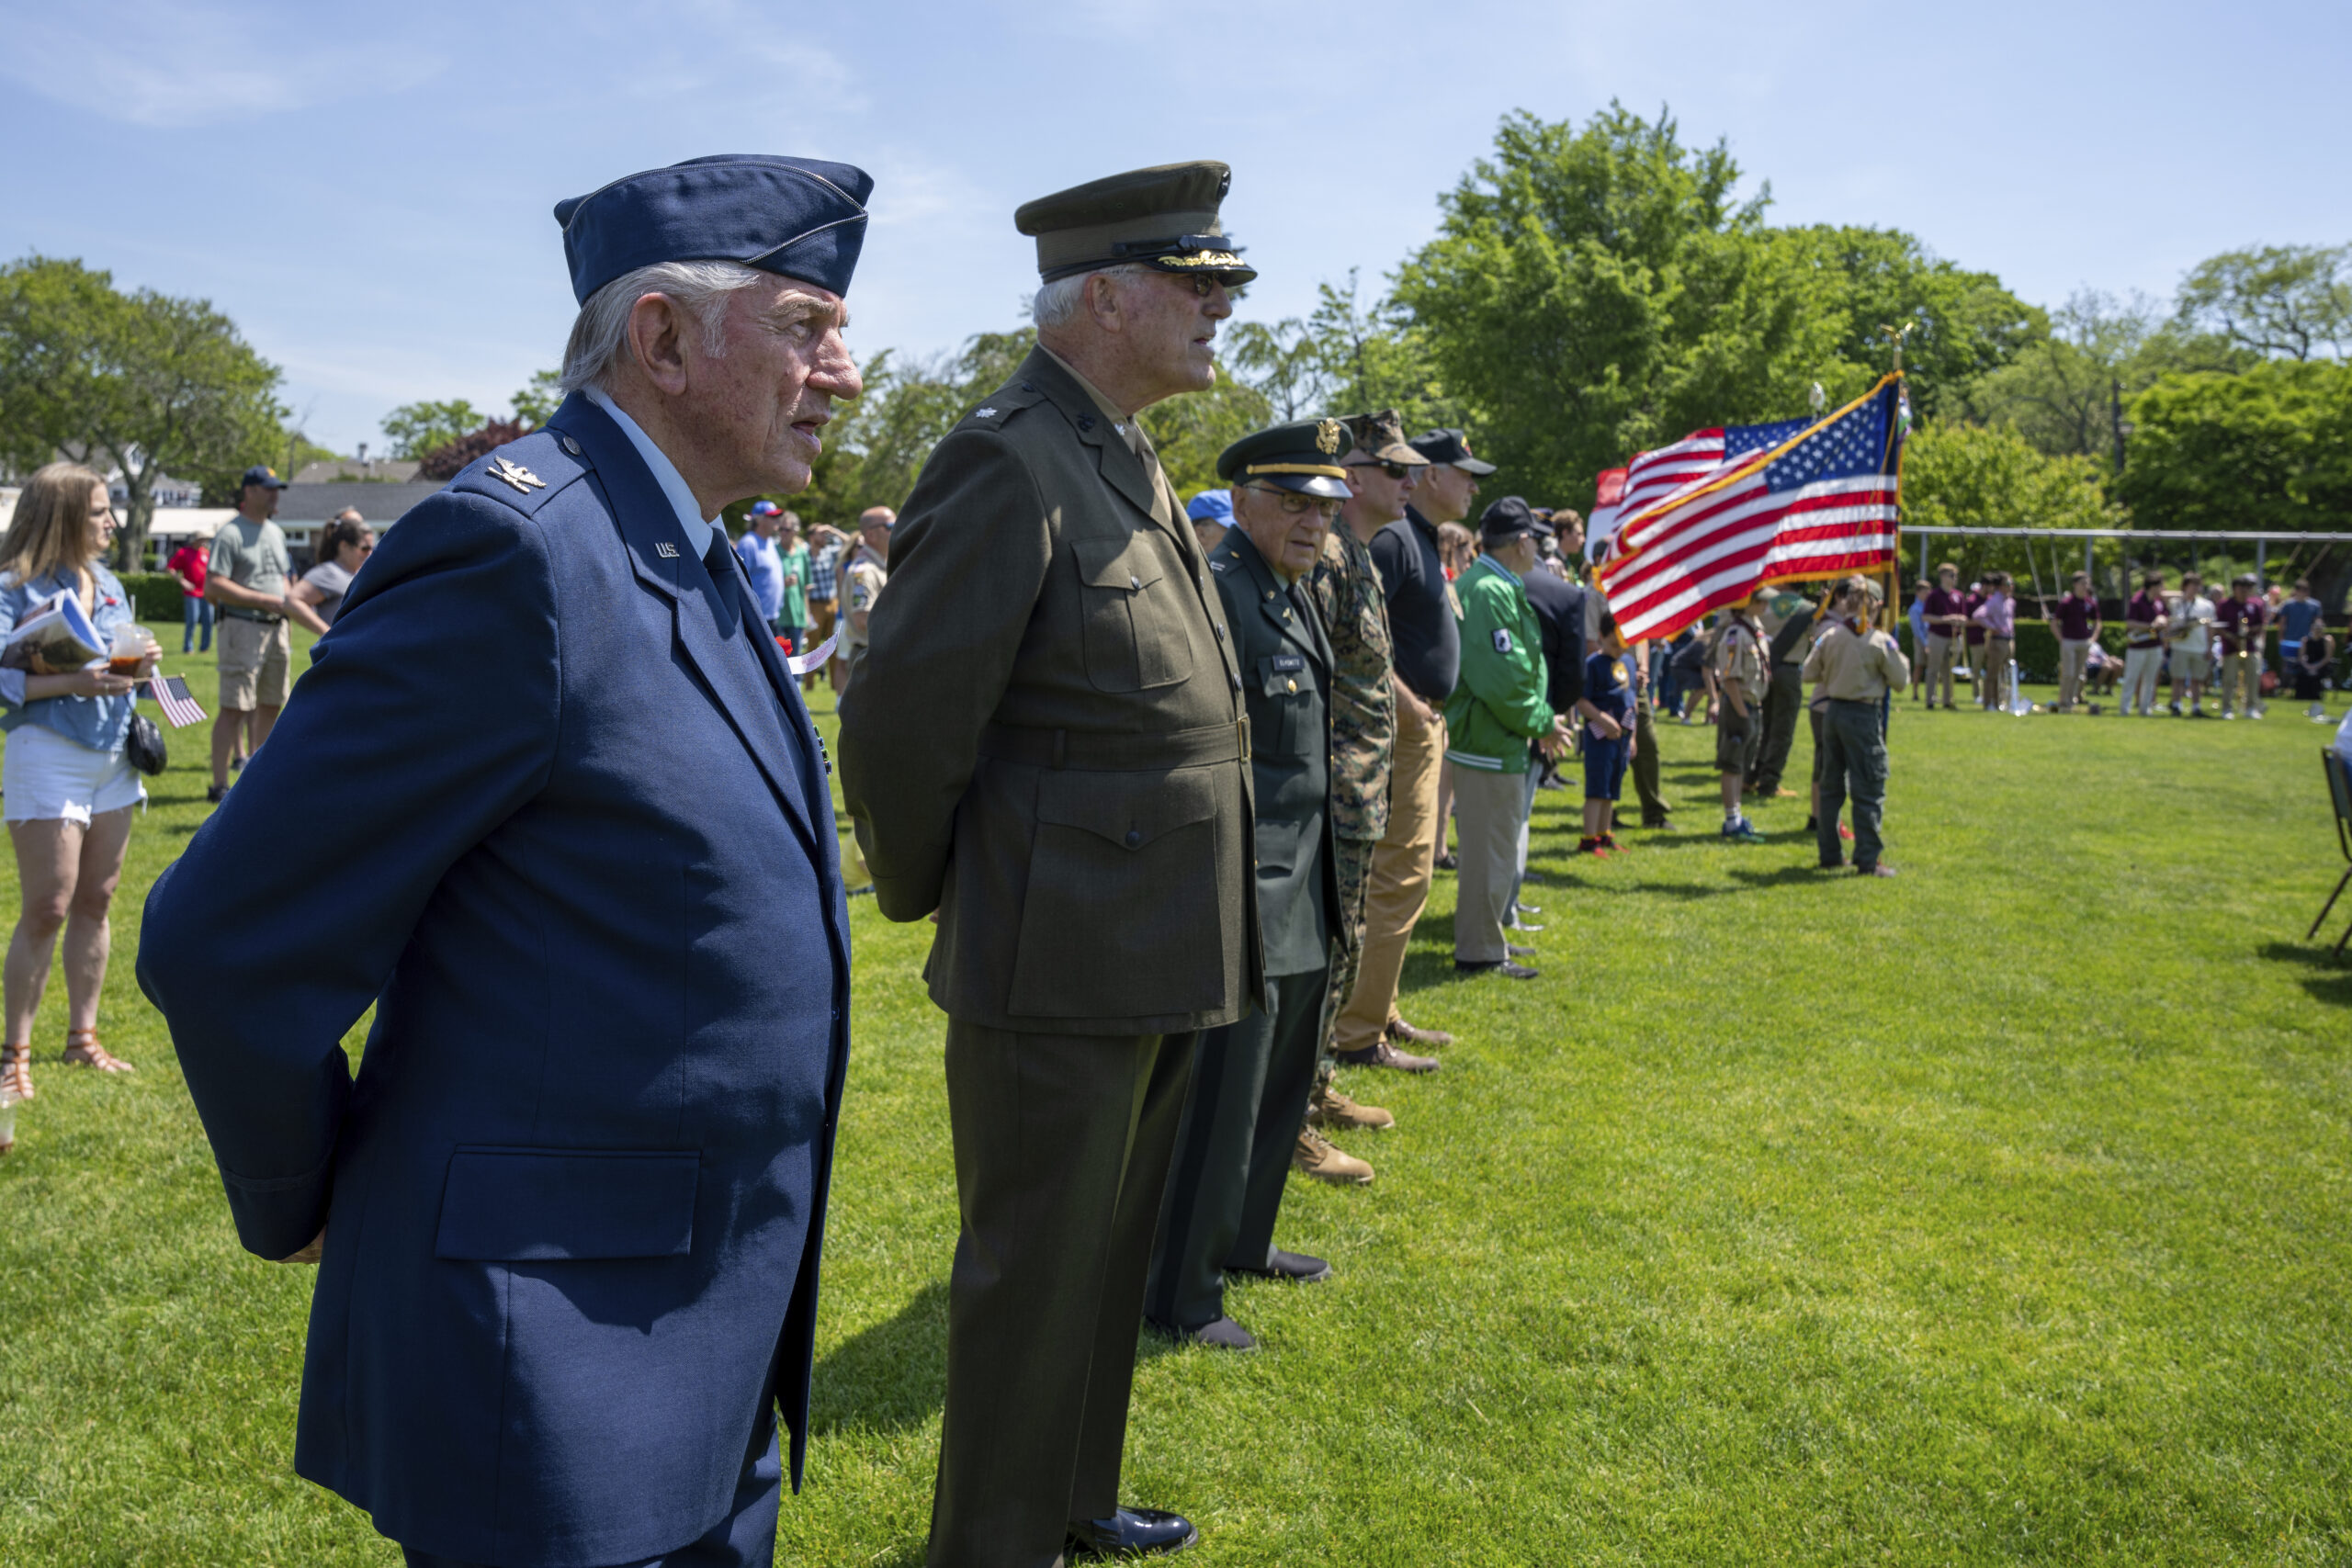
x=794, y=217
x=1303, y=456
x=1380, y=438
x=1164, y=217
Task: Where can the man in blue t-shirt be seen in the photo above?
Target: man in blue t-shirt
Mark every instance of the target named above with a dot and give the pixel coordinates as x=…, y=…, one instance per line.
x=756, y=550
x=1610, y=740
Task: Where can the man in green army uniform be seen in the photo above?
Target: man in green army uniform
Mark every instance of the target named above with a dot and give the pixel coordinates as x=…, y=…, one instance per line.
x=1046, y=747
x=1498, y=706
x=1251, y=1081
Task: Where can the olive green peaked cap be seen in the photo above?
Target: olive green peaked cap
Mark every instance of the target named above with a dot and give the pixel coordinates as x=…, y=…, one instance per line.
x=1303, y=456
x=1165, y=217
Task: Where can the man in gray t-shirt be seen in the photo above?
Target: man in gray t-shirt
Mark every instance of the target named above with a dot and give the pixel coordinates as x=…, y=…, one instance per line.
x=247, y=581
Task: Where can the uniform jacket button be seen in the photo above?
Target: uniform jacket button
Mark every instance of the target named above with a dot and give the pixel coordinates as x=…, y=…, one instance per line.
x=1134, y=836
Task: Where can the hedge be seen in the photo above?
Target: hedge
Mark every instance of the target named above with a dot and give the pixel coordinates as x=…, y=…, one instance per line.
x=155, y=593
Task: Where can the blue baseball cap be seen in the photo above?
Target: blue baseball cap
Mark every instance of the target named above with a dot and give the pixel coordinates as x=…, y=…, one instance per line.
x=766, y=509
x=262, y=474
x=794, y=217
x=1211, y=505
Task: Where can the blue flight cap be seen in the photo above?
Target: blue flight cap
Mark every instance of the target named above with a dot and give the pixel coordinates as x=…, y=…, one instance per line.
x=1214, y=505
x=794, y=217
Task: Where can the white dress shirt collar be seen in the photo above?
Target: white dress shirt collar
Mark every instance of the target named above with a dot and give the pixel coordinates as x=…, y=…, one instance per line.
x=695, y=528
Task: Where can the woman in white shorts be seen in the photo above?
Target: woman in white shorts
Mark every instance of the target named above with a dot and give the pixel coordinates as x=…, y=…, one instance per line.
x=67, y=786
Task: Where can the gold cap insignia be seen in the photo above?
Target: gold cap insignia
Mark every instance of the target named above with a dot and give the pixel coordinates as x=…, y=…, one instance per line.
x=514, y=473
x=1326, y=436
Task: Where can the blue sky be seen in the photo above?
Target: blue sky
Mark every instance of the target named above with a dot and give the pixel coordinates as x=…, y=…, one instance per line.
x=367, y=190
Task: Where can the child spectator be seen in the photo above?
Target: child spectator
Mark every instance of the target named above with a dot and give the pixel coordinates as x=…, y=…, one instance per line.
x=2189, y=637
x=2239, y=620
x=1610, y=741
x=2078, y=629
x=1974, y=657
x=1738, y=667
x=2314, y=656
x=1997, y=618
x=1947, y=616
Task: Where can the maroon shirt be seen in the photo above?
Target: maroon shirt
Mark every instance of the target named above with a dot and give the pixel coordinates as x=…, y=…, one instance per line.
x=2233, y=617
x=1940, y=603
x=2074, y=617
x=2141, y=615
x=1970, y=603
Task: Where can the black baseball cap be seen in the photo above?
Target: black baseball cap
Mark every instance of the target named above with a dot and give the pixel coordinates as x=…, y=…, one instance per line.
x=1451, y=446
x=262, y=474
x=1506, y=519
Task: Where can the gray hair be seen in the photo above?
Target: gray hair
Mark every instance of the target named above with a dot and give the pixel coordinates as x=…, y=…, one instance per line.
x=1056, y=303
x=600, y=332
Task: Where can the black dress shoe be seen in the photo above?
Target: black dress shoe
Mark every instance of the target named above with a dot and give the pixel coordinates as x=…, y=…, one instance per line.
x=1132, y=1532
x=1499, y=966
x=1217, y=1333
x=1281, y=1265
x=1518, y=951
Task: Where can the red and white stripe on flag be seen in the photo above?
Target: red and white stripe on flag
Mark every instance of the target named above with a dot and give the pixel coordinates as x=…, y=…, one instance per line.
x=171, y=694
x=1710, y=533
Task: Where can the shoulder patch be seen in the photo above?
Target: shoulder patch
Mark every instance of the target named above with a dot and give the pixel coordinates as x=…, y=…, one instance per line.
x=1219, y=565
x=525, y=474
x=1001, y=406
x=1502, y=640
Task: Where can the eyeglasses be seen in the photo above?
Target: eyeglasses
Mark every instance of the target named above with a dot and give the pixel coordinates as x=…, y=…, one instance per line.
x=1297, y=505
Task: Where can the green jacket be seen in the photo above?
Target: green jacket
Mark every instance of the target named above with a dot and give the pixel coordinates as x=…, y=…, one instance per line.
x=1498, y=705
x=1046, y=743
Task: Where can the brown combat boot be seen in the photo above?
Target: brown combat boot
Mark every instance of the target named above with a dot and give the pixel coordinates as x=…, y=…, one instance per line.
x=1318, y=1157
x=1331, y=1109
x=1413, y=1035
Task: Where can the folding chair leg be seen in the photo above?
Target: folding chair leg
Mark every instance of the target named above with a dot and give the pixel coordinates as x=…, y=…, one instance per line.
x=2324, y=908
x=2342, y=940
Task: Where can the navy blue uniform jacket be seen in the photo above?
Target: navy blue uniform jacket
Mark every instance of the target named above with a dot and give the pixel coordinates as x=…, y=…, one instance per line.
x=548, y=802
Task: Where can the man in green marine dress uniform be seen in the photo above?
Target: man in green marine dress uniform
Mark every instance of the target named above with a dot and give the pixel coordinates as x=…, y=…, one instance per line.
x=1046, y=747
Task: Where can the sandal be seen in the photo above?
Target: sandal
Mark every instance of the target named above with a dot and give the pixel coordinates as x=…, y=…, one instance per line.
x=17, y=1070
x=82, y=1049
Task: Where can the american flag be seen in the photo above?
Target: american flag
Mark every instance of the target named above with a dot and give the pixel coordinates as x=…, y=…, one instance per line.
x=1721, y=512
x=169, y=693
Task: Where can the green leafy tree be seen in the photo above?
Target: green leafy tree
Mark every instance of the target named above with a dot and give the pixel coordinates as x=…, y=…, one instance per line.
x=535, y=403
x=2267, y=450
x=143, y=383
x=2278, y=301
x=1595, y=291
x=417, y=429
x=2064, y=391
x=1970, y=476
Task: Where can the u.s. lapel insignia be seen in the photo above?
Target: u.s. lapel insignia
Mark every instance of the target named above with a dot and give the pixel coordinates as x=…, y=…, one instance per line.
x=1326, y=436
x=514, y=473
x=665, y=549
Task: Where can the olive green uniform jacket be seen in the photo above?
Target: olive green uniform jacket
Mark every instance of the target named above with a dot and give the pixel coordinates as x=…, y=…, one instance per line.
x=1286, y=682
x=1047, y=743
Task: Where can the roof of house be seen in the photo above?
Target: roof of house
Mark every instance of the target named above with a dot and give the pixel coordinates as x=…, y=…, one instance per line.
x=396, y=470
x=307, y=505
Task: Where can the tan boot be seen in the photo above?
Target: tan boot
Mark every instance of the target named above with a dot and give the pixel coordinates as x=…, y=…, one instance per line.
x=1317, y=1158
x=1331, y=1109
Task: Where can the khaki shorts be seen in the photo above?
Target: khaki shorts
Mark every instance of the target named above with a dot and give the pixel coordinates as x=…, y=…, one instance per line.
x=254, y=661
x=2191, y=666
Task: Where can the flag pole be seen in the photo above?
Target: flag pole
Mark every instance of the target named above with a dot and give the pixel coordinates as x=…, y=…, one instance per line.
x=1895, y=336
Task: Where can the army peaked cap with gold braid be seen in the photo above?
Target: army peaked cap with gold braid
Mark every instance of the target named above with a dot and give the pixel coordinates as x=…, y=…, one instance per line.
x=1304, y=456
x=1165, y=217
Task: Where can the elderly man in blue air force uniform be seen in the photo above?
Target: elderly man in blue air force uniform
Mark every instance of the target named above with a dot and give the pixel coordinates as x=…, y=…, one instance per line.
x=568, y=1217
x=1045, y=747
x=1252, y=1079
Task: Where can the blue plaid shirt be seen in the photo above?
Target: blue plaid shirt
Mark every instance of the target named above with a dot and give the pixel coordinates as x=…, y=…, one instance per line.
x=821, y=581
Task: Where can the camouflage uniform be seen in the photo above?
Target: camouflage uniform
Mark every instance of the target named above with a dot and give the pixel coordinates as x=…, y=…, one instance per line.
x=1363, y=729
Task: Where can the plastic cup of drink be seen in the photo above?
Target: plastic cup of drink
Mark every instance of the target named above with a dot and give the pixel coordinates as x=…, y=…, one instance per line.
x=130, y=647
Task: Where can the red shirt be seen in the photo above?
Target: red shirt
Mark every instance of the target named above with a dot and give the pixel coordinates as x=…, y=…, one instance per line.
x=1970, y=603
x=190, y=563
x=2075, y=615
x=2234, y=614
x=2142, y=615
x=1942, y=603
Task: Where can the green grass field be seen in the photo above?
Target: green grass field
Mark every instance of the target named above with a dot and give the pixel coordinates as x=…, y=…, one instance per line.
x=1995, y=1213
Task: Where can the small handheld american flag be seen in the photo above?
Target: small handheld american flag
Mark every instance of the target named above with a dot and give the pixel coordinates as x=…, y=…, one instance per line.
x=169, y=693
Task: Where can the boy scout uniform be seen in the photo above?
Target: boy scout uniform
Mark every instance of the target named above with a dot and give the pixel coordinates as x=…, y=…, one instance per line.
x=1855, y=667
x=1252, y=1079
x=1046, y=747
x=866, y=577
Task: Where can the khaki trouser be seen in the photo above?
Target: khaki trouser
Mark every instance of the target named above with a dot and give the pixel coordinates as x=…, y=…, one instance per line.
x=1993, y=681
x=1487, y=818
x=1939, y=668
x=2141, y=666
x=2074, y=654
x=1399, y=888
x=2241, y=686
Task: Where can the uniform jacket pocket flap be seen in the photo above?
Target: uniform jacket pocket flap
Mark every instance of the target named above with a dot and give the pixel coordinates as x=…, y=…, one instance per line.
x=513, y=1205
x=1129, y=809
x=1130, y=563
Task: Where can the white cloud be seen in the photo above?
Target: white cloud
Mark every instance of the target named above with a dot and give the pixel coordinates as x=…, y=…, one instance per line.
x=172, y=65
